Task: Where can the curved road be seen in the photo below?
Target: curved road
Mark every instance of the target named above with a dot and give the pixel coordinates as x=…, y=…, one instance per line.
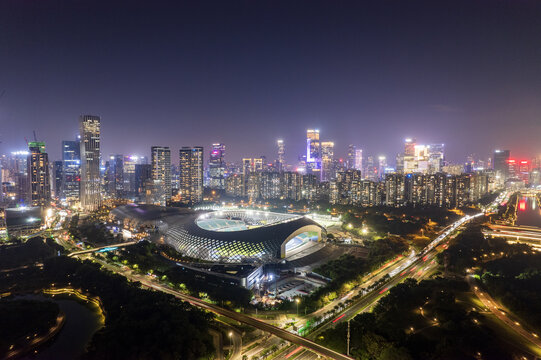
x=284, y=334
x=494, y=307
x=281, y=333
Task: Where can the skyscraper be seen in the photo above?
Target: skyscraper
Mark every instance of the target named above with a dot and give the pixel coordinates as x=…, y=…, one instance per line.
x=17, y=172
x=71, y=168
x=358, y=159
x=38, y=172
x=280, y=164
x=116, y=176
x=129, y=174
x=90, y=151
x=501, y=163
x=161, y=173
x=143, y=181
x=191, y=174
x=57, y=178
x=350, y=161
x=327, y=157
x=217, y=167
x=313, y=151
x=436, y=157
x=382, y=164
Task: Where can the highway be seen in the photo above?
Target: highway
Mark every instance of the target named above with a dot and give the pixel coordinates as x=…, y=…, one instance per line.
x=496, y=309
x=415, y=268
x=281, y=333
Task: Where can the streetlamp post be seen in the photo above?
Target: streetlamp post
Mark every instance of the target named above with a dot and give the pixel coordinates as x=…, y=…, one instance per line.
x=297, y=300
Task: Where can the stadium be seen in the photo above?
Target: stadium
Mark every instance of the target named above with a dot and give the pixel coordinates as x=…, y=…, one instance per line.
x=225, y=236
x=240, y=236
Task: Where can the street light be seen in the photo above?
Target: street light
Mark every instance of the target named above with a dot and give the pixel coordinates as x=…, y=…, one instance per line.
x=297, y=300
x=230, y=334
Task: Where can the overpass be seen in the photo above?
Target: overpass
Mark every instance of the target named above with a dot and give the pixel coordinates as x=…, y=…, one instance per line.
x=521, y=234
x=103, y=248
x=248, y=320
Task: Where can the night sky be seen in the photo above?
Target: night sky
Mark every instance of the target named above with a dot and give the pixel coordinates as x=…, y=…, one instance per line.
x=465, y=73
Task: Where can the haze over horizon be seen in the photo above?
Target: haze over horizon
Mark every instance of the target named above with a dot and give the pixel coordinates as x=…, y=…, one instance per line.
x=246, y=74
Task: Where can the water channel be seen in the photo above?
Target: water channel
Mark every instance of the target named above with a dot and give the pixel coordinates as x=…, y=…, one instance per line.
x=528, y=212
x=82, y=321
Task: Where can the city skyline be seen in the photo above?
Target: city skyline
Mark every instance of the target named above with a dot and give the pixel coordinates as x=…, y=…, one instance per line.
x=186, y=74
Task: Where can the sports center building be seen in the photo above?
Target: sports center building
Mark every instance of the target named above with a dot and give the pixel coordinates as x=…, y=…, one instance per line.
x=224, y=236
x=240, y=236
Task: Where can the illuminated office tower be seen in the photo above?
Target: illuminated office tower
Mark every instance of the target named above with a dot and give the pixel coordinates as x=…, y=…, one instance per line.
x=371, y=170
x=327, y=160
x=57, y=178
x=71, y=170
x=408, y=164
x=436, y=158
x=217, y=167
x=143, y=182
x=161, y=173
x=358, y=159
x=409, y=147
x=129, y=163
x=313, y=151
x=38, y=172
x=350, y=160
x=16, y=172
x=280, y=164
x=116, y=176
x=191, y=174
x=90, y=151
x=501, y=163
x=382, y=164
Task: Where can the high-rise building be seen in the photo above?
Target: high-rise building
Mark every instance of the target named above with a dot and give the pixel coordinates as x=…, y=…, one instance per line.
x=71, y=168
x=501, y=164
x=371, y=170
x=350, y=160
x=16, y=173
x=395, y=191
x=235, y=185
x=408, y=158
x=217, y=167
x=327, y=160
x=90, y=152
x=129, y=188
x=116, y=176
x=358, y=159
x=280, y=162
x=57, y=179
x=436, y=158
x=191, y=174
x=143, y=182
x=382, y=164
x=161, y=173
x=313, y=151
x=38, y=172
